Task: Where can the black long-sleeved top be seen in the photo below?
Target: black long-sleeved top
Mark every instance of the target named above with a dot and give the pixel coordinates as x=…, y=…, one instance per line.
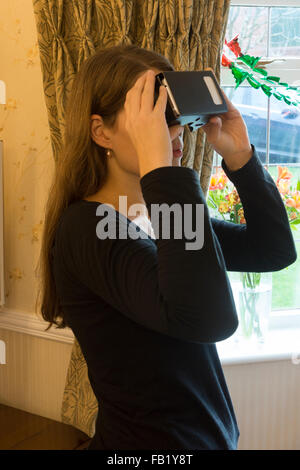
x=147, y=312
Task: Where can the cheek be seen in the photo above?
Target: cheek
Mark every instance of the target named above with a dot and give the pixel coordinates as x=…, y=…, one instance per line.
x=127, y=156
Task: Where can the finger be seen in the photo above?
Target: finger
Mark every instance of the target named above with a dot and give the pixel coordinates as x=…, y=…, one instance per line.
x=140, y=81
x=230, y=106
x=133, y=97
x=212, y=129
x=161, y=102
x=147, y=96
x=212, y=121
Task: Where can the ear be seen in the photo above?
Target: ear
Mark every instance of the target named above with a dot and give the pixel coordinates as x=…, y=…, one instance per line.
x=99, y=133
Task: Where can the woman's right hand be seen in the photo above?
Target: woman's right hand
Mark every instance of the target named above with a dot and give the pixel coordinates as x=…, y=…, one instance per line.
x=146, y=124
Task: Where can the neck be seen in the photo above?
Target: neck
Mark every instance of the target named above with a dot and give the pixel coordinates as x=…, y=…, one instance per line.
x=120, y=183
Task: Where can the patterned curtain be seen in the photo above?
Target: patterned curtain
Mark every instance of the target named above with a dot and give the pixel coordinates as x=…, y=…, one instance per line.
x=189, y=33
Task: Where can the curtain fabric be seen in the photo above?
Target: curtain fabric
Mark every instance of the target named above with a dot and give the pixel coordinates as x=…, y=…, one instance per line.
x=190, y=33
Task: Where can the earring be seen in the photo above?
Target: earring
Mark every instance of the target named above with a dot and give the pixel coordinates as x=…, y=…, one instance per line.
x=108, y=153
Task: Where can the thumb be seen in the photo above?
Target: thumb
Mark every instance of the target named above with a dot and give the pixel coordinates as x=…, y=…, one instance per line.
x=212, y=128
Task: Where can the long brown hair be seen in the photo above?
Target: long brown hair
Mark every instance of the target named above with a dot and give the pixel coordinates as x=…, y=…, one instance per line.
x=99, y=87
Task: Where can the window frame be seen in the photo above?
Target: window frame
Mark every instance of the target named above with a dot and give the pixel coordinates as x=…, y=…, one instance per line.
x=289, y=72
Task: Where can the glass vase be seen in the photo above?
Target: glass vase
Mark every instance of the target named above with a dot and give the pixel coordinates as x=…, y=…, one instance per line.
x=253, y=299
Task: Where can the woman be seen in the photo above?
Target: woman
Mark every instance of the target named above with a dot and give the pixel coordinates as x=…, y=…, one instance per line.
x=147, y=311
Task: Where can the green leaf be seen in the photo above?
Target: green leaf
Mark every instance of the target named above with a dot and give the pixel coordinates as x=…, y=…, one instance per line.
x=295, y=222
x=298, y=185
x=274, y=79
x=253, y=82
x=239, y=75
x=267, y=90
x=249, y=60
x=261, y=71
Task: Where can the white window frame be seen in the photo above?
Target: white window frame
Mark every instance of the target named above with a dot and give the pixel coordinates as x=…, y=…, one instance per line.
x=289, y=73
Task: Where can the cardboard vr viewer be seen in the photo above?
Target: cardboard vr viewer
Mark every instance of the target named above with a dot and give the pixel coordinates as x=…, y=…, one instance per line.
x=192, y=97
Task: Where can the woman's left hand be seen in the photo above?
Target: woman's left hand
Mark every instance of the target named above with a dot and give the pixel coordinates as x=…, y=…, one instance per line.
x=228, y=135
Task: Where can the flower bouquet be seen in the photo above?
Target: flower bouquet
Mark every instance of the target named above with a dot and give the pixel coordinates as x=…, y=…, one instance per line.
x=252, y=291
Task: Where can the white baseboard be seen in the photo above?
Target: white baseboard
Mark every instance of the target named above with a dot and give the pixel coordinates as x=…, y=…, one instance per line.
x=33, y=325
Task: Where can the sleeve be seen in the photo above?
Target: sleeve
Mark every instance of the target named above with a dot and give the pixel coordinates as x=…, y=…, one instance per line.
x=265, y=243
x=183, y=293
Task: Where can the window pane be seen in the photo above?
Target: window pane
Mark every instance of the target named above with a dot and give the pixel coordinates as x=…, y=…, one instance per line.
x=251, y=23
x=285, y=28
x=284, y=133
x=285, y=289
x=253, y=105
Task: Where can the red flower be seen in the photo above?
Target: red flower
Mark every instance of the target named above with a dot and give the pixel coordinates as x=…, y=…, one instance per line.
x=218, y=181
x=283, y=180
x=283, y=186
x=241, y=216
x=294, y=200
x=283, y=173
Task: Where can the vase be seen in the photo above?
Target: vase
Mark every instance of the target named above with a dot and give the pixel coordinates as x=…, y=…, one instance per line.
x=253, y=299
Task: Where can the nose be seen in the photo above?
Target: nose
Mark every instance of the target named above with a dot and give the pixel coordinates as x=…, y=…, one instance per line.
x=176, y=137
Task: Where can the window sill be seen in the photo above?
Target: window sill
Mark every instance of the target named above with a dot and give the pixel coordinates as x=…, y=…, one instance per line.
x=283, y=344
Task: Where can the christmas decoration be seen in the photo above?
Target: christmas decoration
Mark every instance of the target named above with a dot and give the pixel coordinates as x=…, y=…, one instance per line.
x=257, y=77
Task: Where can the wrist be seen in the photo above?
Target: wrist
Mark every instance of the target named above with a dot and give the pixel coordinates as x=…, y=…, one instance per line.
x=237, y=160
x=152, y=166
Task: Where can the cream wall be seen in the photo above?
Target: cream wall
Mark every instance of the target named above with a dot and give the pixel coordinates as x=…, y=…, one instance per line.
x=34, y=374
x=27, y=162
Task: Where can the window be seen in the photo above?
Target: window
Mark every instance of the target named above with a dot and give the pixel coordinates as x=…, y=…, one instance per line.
x=271, y=30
